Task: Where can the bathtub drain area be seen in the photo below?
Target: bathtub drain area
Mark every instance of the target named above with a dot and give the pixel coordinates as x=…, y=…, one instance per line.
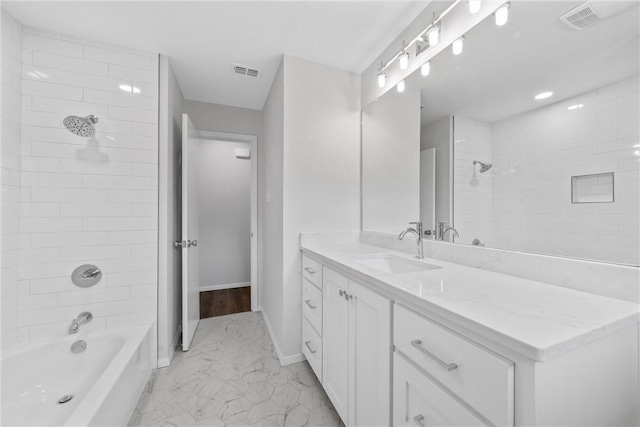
x=64, y=399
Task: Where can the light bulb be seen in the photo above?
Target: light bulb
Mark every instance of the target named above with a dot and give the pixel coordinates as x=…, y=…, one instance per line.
x=400, y=86
x=433, y=35
x=457, y=46
x=404, y=61
x=426, y=68
x=474, y=6
x=382, y=79
x=502, y=15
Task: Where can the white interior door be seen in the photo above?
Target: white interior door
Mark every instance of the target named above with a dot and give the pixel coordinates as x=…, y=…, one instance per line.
x=190, y=225
x=428, y=189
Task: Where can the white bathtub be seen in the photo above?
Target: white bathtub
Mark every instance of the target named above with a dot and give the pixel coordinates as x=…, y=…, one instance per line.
x=106, y=380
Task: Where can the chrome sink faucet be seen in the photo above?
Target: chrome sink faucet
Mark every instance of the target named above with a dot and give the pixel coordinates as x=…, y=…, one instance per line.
x=84, y=317
x=442, y=229
x=418, y=232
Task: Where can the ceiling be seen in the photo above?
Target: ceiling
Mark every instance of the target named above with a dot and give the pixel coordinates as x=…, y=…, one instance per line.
x=501, y=69
x=203, y=38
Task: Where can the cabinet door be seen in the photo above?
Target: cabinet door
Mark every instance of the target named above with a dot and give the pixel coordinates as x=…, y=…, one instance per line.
x=418, y=401
x=370, y=357
x=335, y=340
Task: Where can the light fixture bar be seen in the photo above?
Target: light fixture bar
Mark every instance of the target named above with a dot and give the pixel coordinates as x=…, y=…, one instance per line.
x=418, y=37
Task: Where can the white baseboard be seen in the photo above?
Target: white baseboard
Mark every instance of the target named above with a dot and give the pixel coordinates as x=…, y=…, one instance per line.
x=163, y=363
x=284, y=360
x=225, y=286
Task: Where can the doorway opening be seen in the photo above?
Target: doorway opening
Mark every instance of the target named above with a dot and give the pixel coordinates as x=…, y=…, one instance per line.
x=219, y=225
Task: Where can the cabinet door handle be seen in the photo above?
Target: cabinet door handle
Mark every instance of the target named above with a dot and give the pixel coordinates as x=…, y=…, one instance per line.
x=348, y=296
x=418, y=420
x=309, y=347
x=309, y=270
x=308, y=302
x=342, y=293
x=448, y=366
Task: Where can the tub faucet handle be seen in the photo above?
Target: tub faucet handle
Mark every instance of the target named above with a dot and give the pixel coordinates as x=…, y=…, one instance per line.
x=84, y=317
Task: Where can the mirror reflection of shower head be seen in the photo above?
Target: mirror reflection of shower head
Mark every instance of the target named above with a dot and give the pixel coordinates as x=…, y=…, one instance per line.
x=81, y=126
x=483, y=166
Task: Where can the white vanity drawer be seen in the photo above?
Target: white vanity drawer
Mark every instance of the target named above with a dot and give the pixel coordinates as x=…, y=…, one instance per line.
x=481, y=378
x=312, y=270
x=418, y=401
x=312, y=305
x=312, y=347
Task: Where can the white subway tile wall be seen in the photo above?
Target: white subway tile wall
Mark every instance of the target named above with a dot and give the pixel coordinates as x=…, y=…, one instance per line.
x=87, y=200
x=10, y=165
x=473, y=191
x=536, y=154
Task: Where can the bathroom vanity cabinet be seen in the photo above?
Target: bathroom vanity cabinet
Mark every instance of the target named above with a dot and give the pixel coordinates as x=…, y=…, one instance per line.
x=355, y=345
x=386, y=357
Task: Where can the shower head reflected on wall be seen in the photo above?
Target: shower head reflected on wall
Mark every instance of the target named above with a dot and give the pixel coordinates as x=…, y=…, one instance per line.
x=81, y=126
x=483, y=166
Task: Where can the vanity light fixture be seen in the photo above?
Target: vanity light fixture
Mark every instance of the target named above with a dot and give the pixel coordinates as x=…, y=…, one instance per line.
x=575, y=107
x=400, y=86
x=382, y=79
x=426, y=68
x=543, y=95
x=404, y=61
x=502, y=14
x=474, y=6
x=457, y=46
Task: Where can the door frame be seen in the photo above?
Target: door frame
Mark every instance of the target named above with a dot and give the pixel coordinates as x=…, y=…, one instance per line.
x=253, y=140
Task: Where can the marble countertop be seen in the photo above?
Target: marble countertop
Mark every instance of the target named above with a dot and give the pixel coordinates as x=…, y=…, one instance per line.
x=537, y=320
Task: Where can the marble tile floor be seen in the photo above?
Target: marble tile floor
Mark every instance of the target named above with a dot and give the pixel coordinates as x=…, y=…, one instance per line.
x=231, y=376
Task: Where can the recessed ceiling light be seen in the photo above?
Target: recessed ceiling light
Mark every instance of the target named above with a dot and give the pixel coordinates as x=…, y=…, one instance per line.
x=543, y=95
x=575, y=107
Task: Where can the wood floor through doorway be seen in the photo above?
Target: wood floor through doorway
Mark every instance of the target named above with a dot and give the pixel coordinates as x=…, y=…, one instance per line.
x=225, y=301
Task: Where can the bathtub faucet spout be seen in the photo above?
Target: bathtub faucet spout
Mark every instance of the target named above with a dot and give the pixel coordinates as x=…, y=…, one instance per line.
x=84, y=317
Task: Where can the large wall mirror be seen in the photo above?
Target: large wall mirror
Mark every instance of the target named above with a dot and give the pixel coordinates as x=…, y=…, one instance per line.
x=528, y=140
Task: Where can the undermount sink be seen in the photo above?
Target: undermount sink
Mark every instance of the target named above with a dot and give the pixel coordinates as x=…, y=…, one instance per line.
x=388, y=263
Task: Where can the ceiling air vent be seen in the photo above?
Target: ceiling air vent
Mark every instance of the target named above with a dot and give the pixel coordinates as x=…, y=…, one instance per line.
x=590, y=13
x=245, y=70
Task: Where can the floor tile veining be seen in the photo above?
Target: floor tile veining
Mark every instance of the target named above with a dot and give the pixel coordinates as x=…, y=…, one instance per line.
x=231, y=376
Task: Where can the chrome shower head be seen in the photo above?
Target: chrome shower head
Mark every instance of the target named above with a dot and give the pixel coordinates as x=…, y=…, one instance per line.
x=483, y=166
x=81, y=126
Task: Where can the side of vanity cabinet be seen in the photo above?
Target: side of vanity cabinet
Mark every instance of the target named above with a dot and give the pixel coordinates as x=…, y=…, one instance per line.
x=357, y=351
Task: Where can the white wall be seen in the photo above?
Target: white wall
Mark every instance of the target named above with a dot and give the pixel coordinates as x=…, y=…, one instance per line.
x=87, y=200
x=536, y=154
x=270, y=205
x=170, y=213
x=321, y=169
x=391, y=161
x=225, y=212
x=10, y=167
x=473, y=191
x=438, y=135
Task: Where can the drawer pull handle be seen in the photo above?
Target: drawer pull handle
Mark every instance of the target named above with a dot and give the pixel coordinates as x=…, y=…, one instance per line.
x=448, y=366
x=418, y=419
x=309, y=270
x=309, y=347
x=308, y=302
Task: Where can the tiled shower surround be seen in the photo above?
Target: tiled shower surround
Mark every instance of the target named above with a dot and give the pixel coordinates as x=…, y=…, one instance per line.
x=87, y=200
x=535, y=155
